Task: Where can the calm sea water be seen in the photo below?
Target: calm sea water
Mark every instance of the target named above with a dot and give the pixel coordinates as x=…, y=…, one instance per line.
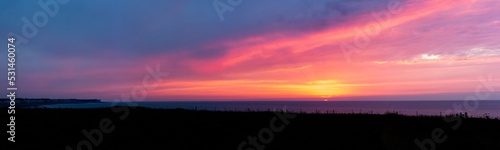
x=491, y=108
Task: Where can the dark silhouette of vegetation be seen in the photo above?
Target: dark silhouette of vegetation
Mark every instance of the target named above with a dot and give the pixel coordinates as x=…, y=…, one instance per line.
x=178, y=129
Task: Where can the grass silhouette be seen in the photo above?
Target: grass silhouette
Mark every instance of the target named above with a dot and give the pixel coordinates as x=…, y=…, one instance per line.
x=172, y=129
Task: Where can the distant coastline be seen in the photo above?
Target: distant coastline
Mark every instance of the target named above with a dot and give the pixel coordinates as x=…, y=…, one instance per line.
x=410, y=108
x=35, y=102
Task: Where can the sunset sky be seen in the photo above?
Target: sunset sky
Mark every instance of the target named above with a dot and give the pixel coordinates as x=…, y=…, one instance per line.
x=262, y=49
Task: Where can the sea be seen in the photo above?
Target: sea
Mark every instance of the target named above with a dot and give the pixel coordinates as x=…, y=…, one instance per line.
x=412, y=108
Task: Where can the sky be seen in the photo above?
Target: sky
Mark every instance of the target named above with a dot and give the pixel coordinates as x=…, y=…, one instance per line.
x=256, y=49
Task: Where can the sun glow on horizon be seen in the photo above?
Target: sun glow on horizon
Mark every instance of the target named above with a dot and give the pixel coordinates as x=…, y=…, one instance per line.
x=355, y=49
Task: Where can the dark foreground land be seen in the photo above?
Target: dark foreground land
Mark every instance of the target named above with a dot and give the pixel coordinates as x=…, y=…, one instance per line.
x=148, y=129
